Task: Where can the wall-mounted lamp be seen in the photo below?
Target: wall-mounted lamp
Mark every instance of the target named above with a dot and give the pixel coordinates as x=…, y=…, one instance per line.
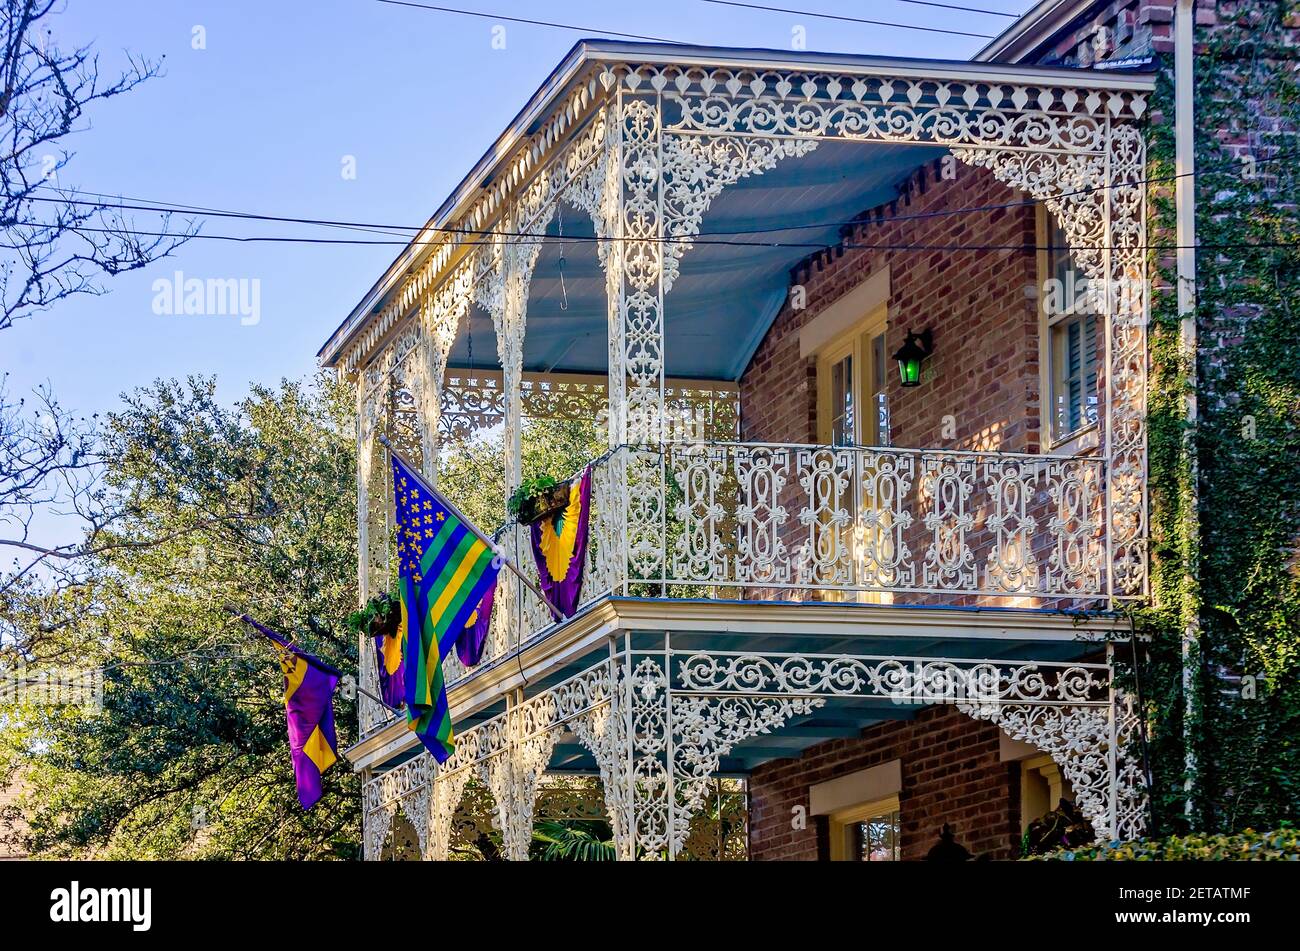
x=915, y=348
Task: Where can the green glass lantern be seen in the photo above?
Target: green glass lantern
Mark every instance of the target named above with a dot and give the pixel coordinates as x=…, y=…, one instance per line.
x=915, y=348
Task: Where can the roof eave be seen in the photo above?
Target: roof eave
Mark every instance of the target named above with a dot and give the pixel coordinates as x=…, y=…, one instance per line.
x=1033, y=28
x=333, y=348
x=588, y=51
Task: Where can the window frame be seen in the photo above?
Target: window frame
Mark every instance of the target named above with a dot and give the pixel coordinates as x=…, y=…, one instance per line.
x=1086, y=437
x=857, y=344
x=844, y=823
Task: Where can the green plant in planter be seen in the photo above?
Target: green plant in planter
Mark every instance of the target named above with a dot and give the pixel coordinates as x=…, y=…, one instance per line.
x=1063, y=828
x=573, y=840
x=380, y=615
x=536, y=498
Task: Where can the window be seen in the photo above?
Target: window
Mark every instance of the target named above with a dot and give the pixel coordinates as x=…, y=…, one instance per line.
x=877, y=839
x=851, y=404
x=1074, y=375
x=866, y=833
x=843, y=431
x=1071, y=338
x=852, y=411
x=861, y=813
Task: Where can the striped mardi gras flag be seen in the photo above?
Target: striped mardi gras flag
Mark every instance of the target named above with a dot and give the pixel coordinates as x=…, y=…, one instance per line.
x=446, y=567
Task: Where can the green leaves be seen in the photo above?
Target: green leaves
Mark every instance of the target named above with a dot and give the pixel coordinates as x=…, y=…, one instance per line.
x=529, y=488
x=574, y=841
x=1247, y=846
x=1243, y=590
x=252, y=504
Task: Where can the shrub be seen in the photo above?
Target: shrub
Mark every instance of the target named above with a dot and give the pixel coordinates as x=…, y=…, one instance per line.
x=1248, y=846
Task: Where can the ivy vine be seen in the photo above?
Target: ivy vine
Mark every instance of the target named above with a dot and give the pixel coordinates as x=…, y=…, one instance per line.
x=1244, y=597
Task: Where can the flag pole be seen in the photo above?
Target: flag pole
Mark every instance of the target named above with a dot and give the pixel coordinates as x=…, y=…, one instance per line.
x=528, y=582
x=263, y=629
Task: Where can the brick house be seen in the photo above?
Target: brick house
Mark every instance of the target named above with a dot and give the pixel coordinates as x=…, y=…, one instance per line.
x=828, y=607
x=10, y=826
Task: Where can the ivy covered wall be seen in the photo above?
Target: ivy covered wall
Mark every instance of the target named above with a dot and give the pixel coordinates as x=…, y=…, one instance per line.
x=1244, y=594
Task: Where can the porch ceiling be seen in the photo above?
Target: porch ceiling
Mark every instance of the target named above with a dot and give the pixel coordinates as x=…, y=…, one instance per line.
x=727, y=294
x=550, y=96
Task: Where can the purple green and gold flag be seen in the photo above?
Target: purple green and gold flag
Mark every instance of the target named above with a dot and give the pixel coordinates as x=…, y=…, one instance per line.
x=446, y=567
x=309, y=685
x=560, y=548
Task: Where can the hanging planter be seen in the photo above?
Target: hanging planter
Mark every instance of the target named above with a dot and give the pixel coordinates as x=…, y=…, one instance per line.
x=379, y=617
x=380, y=620
x=538, y=498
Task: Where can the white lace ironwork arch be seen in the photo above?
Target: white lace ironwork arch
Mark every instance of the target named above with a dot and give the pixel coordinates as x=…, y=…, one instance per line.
x=659, y=724
x=645, y=149
x=1069, y=711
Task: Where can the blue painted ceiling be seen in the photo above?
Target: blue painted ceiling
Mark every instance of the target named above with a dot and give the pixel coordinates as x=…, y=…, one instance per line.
x=727, y=294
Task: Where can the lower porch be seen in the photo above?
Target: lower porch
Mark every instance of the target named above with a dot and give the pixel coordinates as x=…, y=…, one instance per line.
x=735, y=730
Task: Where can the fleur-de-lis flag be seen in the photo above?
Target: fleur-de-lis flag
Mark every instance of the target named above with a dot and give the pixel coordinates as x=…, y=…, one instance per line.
x=446, y=566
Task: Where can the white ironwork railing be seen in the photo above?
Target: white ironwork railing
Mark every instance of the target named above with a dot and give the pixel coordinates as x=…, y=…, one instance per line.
x=939, y=522
x=766, y=520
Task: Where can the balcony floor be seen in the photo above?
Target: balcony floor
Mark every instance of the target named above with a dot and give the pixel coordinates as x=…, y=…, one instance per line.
x=881, y=630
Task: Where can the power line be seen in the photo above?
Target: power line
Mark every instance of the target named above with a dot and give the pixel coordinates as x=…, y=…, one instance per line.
x=703, y=237
x=169, y=207
x=530, y=22
x=952, y=6
x=456, y=11
x=158, y=207
x=848, y=19
x=798, y=245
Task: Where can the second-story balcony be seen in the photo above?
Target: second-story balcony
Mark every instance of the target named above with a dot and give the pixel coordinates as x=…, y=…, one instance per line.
x=791, y=523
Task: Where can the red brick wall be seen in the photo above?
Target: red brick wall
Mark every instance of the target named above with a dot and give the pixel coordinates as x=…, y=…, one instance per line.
x=1118, y=30
x=980, y=307
x=985, y=327
x=950, y=770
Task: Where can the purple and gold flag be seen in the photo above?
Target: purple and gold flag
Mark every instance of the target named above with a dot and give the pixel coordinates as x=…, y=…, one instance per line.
x=445, y=568
x=470, y=643
x=392, y=666
x=560, y=548
x=309, y=685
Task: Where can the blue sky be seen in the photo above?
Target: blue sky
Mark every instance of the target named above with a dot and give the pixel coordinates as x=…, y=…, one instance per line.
x=265, y=116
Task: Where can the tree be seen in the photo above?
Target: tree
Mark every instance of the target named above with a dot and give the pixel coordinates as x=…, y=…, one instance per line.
x=253, y=505
x=471, y=470
x=59, y=243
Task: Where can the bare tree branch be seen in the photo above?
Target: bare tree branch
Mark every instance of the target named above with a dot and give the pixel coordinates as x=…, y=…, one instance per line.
x=53, y=247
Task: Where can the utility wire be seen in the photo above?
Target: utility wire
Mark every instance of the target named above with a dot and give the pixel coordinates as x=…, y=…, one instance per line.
x=805, y=245
x=953, y=6
x=700, y=238
x=848, y=19
x=529, y=22
x=657, y=39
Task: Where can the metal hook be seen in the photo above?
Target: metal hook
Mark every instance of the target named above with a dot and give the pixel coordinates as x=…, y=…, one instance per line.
x=564, y=292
